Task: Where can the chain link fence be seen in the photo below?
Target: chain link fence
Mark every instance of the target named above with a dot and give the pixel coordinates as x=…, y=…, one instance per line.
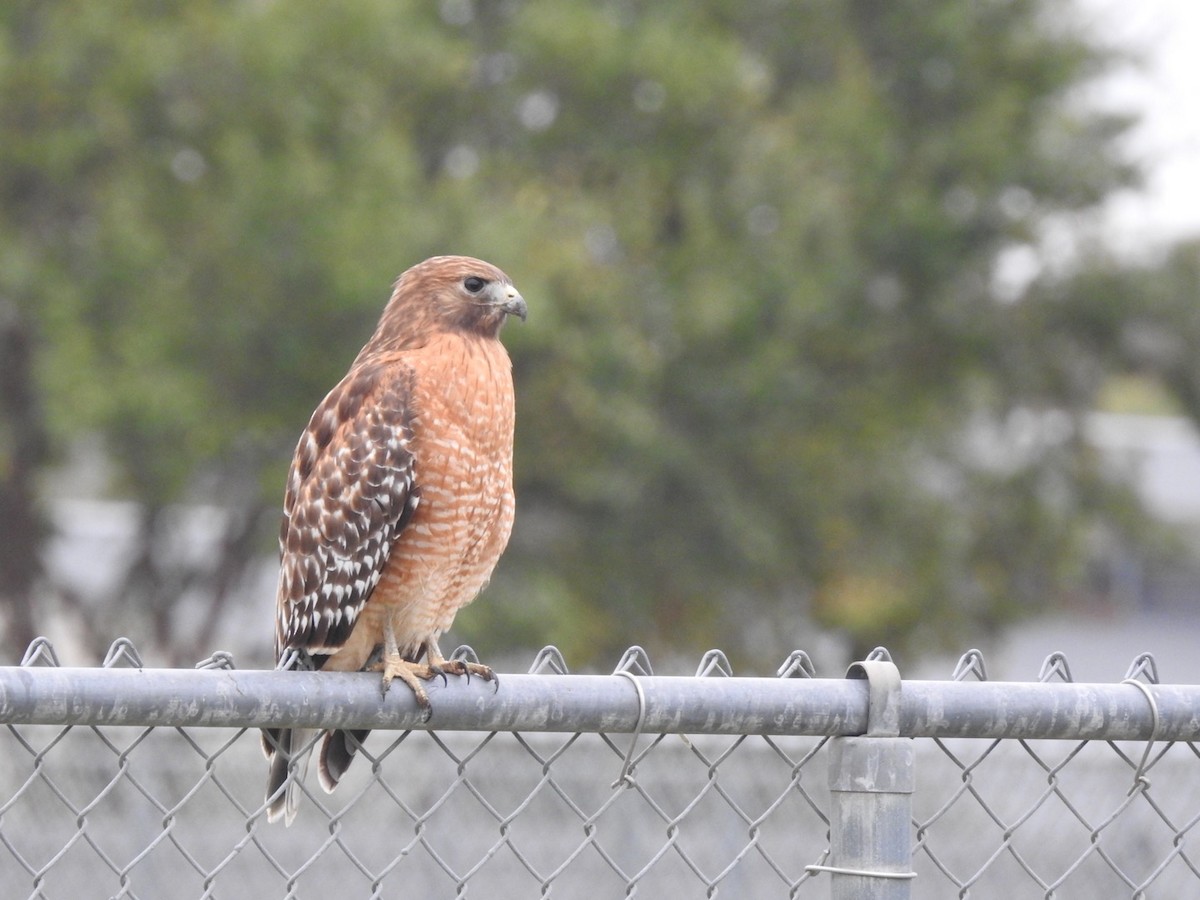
x=124, y=781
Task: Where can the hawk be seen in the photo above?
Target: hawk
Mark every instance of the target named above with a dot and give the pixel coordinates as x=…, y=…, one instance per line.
x=399, y=501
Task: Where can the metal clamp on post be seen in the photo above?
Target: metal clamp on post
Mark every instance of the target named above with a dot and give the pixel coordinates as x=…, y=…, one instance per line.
x=871, y=780
x=883, y=702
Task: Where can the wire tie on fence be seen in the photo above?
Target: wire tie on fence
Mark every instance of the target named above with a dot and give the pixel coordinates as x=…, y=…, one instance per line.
x=1139, y=777
x=864, y=873
x=625, y=779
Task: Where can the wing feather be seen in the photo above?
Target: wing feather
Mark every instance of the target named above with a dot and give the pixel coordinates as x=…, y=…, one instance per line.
x=350, y=493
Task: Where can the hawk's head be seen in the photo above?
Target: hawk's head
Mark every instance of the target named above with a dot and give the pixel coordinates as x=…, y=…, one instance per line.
x=447, y=293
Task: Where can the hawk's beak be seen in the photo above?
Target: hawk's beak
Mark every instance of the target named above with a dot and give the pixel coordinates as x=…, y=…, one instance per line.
x=513, y=303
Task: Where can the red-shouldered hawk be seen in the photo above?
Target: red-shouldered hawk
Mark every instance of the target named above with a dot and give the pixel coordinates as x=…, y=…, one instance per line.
x=399, y=500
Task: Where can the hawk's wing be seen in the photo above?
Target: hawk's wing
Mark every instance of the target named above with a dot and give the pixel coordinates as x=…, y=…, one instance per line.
x=350, y=492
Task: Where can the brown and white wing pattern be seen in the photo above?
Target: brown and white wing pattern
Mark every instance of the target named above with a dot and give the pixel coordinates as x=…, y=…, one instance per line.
x=350, y=492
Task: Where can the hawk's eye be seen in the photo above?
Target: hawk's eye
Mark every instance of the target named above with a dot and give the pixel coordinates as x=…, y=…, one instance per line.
x=474, y=284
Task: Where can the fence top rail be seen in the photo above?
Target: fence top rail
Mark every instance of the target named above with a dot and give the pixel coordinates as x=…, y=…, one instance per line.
x=37, y=695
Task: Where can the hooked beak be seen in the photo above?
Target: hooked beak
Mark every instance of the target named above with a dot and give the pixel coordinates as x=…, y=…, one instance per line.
x=511, y=302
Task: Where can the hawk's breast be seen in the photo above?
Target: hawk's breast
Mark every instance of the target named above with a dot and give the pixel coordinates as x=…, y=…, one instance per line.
x=463, y=439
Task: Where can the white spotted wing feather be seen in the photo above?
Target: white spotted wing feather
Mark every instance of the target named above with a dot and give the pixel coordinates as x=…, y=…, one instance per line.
x=349, y=494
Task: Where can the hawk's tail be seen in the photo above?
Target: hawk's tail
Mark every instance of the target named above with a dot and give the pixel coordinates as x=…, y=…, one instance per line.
x=288, y=752
x=337, y=752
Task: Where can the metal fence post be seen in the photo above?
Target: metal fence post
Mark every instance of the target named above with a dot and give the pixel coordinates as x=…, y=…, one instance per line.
x=871, y=779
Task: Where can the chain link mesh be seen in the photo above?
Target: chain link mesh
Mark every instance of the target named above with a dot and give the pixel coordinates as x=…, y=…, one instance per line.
x=137, y=812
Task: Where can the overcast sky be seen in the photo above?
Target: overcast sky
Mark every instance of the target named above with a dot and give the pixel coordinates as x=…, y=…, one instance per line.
x=1166, y=91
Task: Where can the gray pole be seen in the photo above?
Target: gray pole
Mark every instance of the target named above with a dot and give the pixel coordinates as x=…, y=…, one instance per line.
x=871, y=780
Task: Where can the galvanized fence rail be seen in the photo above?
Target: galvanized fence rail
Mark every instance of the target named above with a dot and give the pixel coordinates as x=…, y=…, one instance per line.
x=126, y=781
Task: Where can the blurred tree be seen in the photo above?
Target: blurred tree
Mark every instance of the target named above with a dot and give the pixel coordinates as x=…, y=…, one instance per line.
x=1141, y=320
x=767, y=368
x=23, y=450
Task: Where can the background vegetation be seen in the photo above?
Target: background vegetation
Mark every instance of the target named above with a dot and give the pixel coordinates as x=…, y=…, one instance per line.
x=775, y=376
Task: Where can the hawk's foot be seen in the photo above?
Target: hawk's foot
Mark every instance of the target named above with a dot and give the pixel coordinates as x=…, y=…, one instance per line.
x=395, y=666
x=462, y=667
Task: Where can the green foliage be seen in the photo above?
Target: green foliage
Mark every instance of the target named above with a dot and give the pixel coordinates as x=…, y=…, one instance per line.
x=756, y=239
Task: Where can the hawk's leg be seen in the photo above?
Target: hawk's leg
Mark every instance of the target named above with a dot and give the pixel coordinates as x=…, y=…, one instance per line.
x=394, y=665
x=412, y=674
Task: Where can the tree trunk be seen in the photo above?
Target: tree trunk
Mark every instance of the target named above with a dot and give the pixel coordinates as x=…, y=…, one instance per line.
x=24, y=449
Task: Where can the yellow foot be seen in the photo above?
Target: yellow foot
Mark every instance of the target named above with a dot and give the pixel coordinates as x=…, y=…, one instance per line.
x=395, y=666
x=446, y=667
x=412, y=674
